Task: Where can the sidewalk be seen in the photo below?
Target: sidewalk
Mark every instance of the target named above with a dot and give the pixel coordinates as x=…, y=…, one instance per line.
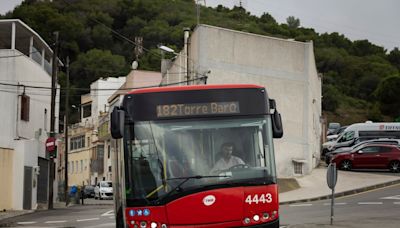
x=314, y=186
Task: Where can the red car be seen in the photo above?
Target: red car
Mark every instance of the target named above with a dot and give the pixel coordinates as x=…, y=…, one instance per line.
x=372, y=156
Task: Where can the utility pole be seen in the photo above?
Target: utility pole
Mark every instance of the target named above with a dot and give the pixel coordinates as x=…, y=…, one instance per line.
x=66, y=137
x=52, y=118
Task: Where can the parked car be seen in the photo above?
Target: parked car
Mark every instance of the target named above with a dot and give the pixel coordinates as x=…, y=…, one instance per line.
x=332, y=127
x=103, y=190
x=88, y=191
x=329, y=155
x=372, y=156
x=335, y=133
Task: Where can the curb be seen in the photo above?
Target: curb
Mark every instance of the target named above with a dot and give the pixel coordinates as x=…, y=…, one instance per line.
x=345, y=193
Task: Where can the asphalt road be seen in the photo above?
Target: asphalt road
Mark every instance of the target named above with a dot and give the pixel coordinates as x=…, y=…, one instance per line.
x=376, y=208
x=74, y=216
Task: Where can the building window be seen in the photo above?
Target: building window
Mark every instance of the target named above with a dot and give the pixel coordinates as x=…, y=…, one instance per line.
x=81, y=165
x=77, y=142
x=298, y=167
x=25, y=103
x=72, y=167
x=109, y=168
x=76, y=164
x=109, y=151
x=87, y=110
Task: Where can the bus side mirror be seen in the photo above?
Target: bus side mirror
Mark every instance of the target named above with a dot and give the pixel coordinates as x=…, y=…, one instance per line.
x=117, y=123
x=277, y=128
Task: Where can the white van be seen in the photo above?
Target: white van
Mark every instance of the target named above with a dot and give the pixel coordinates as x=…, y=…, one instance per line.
x=362, y=131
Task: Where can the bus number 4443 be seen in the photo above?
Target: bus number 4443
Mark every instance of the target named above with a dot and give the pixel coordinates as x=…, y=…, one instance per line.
x=263, y=198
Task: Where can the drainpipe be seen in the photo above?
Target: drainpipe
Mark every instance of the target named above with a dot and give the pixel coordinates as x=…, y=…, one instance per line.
x=186, y=48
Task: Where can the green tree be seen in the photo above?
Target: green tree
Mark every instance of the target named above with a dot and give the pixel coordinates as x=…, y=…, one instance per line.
x=394, y=57
x=94, y=64
x=330, y=98
x=293, y=22
x=388, y=95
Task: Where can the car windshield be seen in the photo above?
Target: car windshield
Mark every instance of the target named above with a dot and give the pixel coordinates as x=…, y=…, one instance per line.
x=192, y=155
x=105, y=184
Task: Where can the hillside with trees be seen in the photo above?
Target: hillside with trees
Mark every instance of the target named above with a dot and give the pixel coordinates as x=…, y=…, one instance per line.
x=360, y=79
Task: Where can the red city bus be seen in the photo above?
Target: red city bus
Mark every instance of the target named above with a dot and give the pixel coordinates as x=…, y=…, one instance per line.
x=196, y=156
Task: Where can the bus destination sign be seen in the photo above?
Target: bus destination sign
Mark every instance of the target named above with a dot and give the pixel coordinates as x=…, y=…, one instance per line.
x=197, y=109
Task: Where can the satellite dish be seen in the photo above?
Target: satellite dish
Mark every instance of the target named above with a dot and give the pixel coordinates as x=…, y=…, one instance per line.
x=135, y=65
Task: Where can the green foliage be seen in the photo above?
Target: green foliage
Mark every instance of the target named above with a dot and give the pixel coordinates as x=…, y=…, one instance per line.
x=293, y=22
x=394, y=57
x=94, y=64
x=387, y=94
x=330, y=98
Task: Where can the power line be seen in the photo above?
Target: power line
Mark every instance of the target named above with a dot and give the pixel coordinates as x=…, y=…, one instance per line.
x=107, y=89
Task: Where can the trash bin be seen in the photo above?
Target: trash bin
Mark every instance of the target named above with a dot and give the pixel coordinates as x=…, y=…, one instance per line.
x=74, y=194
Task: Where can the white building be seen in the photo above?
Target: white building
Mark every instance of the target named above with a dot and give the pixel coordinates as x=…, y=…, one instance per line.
x=25, y=60
x=285, y=67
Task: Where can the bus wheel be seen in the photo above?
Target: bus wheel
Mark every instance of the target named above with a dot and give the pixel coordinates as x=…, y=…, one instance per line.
x=394, y=166
x=346, y=165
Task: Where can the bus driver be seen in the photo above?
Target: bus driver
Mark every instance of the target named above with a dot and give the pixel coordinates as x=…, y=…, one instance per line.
x=227, y=160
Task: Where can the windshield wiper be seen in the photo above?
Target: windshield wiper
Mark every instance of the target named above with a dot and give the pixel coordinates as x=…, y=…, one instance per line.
x=184, y=180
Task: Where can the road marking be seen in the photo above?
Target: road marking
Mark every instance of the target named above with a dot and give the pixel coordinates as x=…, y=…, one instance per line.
x=370, y=203
x=25, y=223
x=61, y=221
x=301, y=205
x=372, y=190
x=102, y=225
x=108, y=213
x=89, y=219
x=397, y=197
x=396, y=203
x=328, y=204
x=111, y=217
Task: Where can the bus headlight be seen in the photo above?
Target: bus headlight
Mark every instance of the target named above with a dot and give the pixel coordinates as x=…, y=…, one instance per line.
x=265, y=215
x=246, y=221
x=256, y=218
x=153, y=225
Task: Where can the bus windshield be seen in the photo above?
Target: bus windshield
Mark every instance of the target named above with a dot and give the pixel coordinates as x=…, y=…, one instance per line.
x=171, y=158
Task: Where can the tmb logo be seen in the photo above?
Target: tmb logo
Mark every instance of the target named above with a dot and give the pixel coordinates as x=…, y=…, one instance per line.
x=209, y=200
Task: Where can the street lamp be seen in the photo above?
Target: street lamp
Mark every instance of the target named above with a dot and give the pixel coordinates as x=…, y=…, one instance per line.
x=167, y=49
x=184, y=56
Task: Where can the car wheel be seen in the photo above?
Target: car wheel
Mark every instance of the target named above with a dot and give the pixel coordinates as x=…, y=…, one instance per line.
x=346, y=165
x=394, y=166
x=324, y=151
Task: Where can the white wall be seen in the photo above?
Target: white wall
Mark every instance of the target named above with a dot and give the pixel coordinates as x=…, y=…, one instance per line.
x=8, y=99
x=99, y=97
x=25, y=71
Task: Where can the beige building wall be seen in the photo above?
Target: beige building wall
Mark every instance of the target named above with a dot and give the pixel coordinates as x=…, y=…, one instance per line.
x=79, y=159
x=79, y=168
x=6, y=176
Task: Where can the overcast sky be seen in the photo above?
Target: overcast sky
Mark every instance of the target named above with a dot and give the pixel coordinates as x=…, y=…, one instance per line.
x=375, y=20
